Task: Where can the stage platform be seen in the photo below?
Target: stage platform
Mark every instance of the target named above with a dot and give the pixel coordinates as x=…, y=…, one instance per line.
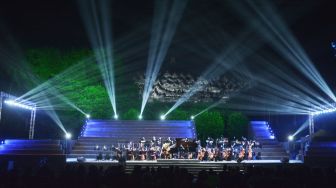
x=193, y=166
x=182, y=161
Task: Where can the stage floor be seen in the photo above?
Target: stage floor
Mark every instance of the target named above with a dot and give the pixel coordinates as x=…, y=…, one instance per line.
x=181, y=161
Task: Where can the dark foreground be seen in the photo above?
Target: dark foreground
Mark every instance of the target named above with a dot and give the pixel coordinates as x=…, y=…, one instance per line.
x=114, y=176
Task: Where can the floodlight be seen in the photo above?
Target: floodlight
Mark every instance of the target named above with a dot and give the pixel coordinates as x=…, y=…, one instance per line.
x=87, y=116
x=18, y=104
x=162, y=117
x=116, y=116
x=68, y=135
x=140, y=117
x=330, y=110
x=290, y=137
x=192, y=117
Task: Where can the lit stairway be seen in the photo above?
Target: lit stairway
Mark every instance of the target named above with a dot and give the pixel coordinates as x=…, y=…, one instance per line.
x=271, y=148
x=110, y=132
x=30, y=147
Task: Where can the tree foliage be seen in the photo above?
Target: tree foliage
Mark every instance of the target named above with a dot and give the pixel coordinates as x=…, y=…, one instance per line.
x=85, y=88
x=237, y=125
x=179, y=114
x=210, y=124
x=131, y=114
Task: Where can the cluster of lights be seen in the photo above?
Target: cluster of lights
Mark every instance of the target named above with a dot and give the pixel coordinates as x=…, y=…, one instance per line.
x=270, y=131
x=324, y=111
x=18, y=104
x=140, y=117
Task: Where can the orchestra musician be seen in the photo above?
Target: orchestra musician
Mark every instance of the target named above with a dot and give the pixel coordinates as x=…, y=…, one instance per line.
x=184, y=149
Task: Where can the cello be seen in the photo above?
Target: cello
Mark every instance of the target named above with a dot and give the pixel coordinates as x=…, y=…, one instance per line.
x=241, y=155
x=249, y=152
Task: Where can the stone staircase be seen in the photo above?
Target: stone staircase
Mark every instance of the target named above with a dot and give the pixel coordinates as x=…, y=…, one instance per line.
x=111, y=132
x=271, y=147
x=30, y=147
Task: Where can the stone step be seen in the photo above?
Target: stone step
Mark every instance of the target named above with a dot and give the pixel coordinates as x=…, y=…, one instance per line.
x=31, y=142
x=27, y=152
x=5, y=147
x=31, y=146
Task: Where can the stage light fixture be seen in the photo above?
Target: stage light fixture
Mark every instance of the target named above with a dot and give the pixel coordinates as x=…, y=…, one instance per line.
x=162, y=117
x=330, y=110
x=140, y=117
x=192, y=117
x=68, y=135
x=18, y=104
x=272, y=137
x=333, y=44
x=290, y=138
x=116, y=116
x=87, y=116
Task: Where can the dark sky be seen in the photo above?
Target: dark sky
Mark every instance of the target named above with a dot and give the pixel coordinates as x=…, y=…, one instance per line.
x=58, y=23
x=42, y=23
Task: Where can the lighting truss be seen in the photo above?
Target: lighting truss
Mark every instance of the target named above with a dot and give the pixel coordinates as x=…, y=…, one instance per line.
x=20, y=103
x=330, y=109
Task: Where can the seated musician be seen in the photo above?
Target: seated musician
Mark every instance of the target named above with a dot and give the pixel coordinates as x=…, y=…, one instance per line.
x=97, y=147
x=99, y=156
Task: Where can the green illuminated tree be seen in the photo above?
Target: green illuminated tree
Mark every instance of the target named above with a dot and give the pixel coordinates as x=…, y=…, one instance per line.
x=178, y=114
x=237, y=125
x=209, y=124
x=131, y=114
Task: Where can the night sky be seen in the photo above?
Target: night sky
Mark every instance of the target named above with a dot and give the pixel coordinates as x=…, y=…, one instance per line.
x=58, y=24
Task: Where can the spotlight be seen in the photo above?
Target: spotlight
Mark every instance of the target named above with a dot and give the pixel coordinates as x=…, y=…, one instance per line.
x=140, y=117
x=192, y=117
x=68, y=135
x=326, y=110
x=162, y=117
x=18, y=104
x=290, y=138
x=87, y=116
x=115, y=116
x=272, y=137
